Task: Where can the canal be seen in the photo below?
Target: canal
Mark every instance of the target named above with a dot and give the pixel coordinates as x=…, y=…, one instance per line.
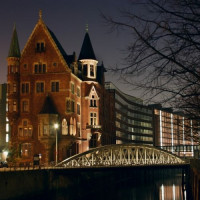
x=135, y=184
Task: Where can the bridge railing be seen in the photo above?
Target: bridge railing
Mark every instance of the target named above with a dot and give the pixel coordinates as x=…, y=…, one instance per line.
x=122, y=155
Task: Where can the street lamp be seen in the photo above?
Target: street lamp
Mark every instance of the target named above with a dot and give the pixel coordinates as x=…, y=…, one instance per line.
x=56, y=127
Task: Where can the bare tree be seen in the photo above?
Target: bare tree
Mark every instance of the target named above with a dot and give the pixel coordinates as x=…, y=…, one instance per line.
x=163, y=57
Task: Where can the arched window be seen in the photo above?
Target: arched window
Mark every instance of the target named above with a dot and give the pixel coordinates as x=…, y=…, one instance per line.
x=64, y=127
x=74, y=127
x=71, y=126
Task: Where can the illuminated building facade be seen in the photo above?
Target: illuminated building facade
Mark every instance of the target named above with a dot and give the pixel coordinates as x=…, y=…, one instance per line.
x=133, y=120
x=175, y=132
x=47, y=86
x=4, y=125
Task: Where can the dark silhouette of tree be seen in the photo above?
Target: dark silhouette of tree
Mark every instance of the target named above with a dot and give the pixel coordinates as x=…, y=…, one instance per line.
x=163, y=57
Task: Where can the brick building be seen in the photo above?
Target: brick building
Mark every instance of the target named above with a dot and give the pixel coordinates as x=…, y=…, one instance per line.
x=46, y=86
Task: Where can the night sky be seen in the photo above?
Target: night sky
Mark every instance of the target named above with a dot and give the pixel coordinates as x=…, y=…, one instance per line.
x=67, y=19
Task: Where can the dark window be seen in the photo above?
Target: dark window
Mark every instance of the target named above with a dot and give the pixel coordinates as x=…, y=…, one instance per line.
x=55, y=86
x=40, y=68
x=39, y=87
x=25, y=88
x=93, y=141
x=92, y=70
x=72, y=106
x=40, y=47
x=93, y=102
x=68, y=106
x=78, y=109
x=85, y=70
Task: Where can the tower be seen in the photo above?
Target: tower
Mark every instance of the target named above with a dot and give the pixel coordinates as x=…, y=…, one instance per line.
x=13, y=84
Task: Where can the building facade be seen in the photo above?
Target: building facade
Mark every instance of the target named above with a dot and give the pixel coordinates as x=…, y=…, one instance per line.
x=4, y=124
x=133, y=121
x=46, y=86
x=175, y=132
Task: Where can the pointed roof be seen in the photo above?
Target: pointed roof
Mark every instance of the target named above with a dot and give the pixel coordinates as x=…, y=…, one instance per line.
x=14, y=50
x=48, y=107
x=87, y=51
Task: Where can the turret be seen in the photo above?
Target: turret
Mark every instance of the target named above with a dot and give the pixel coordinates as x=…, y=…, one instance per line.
x=13, y=85
x=88, y=60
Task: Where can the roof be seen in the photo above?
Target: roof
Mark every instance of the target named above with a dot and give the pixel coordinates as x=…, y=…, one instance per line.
x=14, y=50
x=87, y=51
x=48, y=107
x=68, y=58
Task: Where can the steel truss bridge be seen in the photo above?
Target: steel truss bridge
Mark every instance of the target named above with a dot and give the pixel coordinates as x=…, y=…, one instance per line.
x=122, y=155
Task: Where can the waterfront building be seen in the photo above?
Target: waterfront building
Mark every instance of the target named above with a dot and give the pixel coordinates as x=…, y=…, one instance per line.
x=175, y=132
x=56, y=103
x=133, y=121
x=4, y=125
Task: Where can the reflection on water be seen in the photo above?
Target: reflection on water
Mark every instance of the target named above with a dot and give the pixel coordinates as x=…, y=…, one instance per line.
x=165, y=184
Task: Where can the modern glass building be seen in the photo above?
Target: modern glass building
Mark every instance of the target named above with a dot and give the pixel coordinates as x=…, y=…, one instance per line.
x=175, y=132
x=133, y=119
x=4, y=125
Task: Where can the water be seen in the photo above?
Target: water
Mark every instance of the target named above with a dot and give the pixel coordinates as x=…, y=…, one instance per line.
x=164, y=184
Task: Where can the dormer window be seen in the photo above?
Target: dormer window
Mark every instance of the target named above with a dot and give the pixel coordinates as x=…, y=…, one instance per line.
x=40, y=47
x=93, y=102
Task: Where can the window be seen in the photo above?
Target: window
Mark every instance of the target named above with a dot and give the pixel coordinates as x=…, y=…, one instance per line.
x=40, y=47
x=39, y=87
x=93, y=102
x=14, y=87
x=72, y=106
x=93, y=118
x=93, y=141
x=55, y=86
x=26, y=150
x=25, y=88
x=40, y=68
x=72, y=88
x=78, y=92
x=25, y=130
x=68, y=105
x=64, y=127
x=14, y=106
x=78, y=109
x=25, y=106
x=92, y=70
x=85, y=70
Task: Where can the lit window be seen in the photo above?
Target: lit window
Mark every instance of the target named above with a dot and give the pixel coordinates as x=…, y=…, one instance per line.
x=25, y=106
x=26, y=150
x=93, y=118
x=14, y=106
x=14, y=87
x=7, y=137
x=64, y=127
x=25, y=130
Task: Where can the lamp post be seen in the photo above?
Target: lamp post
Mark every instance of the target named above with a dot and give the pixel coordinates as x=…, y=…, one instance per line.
x=56, y=127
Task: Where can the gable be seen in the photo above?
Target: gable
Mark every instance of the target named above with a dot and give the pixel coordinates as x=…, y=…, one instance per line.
x=53, y=50
x=93, y=92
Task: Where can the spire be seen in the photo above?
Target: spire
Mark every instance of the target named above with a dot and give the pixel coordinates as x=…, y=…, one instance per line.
x=87, y=51
x=48, y=107
x=14, y=50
